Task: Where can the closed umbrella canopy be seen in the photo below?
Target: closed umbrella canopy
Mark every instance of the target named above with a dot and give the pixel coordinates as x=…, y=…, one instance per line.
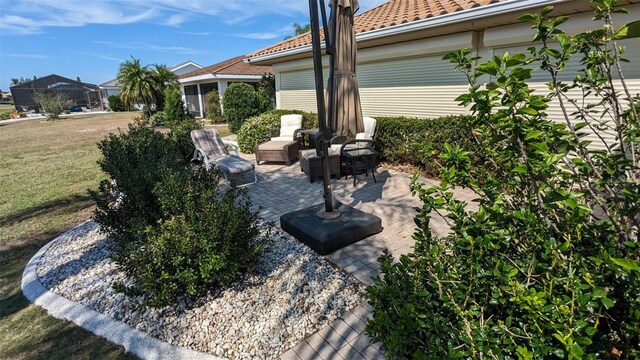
x=347, y=111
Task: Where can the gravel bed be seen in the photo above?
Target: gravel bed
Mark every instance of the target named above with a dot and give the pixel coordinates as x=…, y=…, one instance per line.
x=290, y=294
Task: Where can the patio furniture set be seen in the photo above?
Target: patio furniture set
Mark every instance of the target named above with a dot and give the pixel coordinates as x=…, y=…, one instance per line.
x=346, y=156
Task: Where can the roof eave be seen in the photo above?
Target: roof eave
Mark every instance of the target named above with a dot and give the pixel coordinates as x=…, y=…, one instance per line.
x=441, y=20
x=218, y=77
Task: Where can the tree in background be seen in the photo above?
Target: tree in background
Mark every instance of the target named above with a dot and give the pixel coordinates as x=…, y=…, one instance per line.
x=52, y=103
x=299, y=30
x=115, y=104
x=214, y=110
x=174, y=110
x=136, y=84
x=18, y=81
x=240, y=101
x=164, y=79
x=145, y=84
x=266, y=91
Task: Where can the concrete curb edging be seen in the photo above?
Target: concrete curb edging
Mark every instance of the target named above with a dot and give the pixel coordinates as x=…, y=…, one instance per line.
x=134, y=341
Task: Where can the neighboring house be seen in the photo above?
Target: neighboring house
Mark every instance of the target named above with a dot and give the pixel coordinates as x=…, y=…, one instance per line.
x=111, y=87
x=401, y=43
x=78, y=93
x=196, y=84
x=185, y=67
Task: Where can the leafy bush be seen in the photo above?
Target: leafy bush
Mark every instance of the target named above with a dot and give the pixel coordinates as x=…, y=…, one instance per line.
x=266, y=91
x=420, y=142
x=214, y=111
x=157, y=119
x=52, y=103
x=548, y=266
x=261, y=128
x=115, y=104
x=240, y=102
x=203, y=239
x=4, y=115
x=175, y=111
x=175, y=232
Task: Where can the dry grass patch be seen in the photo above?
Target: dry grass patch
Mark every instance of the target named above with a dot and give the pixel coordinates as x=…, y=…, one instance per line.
x=47, y=167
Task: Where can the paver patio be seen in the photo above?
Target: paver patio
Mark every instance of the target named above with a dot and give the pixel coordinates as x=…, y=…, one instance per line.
x=281, y=189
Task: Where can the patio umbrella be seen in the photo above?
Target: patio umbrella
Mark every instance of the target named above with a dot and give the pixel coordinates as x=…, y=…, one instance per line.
x=347, y=111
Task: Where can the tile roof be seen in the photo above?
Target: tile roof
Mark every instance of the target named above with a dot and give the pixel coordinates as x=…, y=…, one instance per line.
x=233, y=66
x=391, y=13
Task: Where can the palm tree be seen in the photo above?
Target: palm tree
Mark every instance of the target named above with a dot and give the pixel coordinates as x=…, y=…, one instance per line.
x=163, y=79
x=136, y=84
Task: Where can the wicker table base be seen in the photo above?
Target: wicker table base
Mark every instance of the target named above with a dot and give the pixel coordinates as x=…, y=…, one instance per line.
x=277, y=151
x=311, y=164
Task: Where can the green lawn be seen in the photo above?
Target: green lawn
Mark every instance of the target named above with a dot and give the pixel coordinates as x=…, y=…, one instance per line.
x=46, y=168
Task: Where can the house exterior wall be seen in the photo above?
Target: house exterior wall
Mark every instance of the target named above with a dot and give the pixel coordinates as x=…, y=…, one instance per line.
x=411, y=79
x=185, y=69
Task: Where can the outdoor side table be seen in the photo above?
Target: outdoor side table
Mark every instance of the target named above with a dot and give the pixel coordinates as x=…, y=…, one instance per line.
x=360, y=160
x=306, y=137
x=277, y=151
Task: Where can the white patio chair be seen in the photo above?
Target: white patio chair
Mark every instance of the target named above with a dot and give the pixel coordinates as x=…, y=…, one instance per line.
x=368, y=134
x=289, y=127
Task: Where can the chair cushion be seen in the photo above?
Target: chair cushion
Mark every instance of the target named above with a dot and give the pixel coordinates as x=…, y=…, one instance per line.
x=311, y=153
x=283, y=138
x=369, y=129
x=273, y=145
x=234, y=164
x=289, y=124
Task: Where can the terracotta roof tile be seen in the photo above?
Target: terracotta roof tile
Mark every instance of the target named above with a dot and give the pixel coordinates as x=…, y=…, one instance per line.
x=233, y=66
x=391, y=13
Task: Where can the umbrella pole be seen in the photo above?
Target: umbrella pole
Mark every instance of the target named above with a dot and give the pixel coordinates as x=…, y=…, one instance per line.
x=325, y=131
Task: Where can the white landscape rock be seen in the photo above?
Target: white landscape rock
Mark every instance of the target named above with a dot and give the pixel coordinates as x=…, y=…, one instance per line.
x=291, y=293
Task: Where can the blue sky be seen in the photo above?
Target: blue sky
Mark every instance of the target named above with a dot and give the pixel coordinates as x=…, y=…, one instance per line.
x=90, y=38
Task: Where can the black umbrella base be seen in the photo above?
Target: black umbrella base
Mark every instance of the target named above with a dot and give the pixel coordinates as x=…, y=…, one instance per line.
x=328, y=235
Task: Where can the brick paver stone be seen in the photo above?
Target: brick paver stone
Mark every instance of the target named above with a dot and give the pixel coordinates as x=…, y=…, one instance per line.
x=281, y=189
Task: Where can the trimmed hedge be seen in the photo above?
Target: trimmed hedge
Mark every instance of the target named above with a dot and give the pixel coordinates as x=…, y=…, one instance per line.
x=260, y=128
x=420, y=141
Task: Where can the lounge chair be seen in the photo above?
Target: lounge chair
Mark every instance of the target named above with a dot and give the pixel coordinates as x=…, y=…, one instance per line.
x=290, y=125
x=213, y=152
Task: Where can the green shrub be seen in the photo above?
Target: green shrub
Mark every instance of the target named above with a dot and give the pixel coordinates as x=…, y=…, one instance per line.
x=115, y=104
x=240, y=102
x=157, y=119
x=548, y=265
x=256, y=130
x=420, y=142
x=4, y=115
x=260, y=128
x=175, y=232
x=214, y=111
x=203, y=239
x=174, y=110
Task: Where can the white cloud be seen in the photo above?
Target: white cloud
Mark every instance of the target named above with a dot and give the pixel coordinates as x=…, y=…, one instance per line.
x=112, y=58
x=32, y=16
x=268, y=35
x=27, y=56
x=136, y=45
x=204, y=33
